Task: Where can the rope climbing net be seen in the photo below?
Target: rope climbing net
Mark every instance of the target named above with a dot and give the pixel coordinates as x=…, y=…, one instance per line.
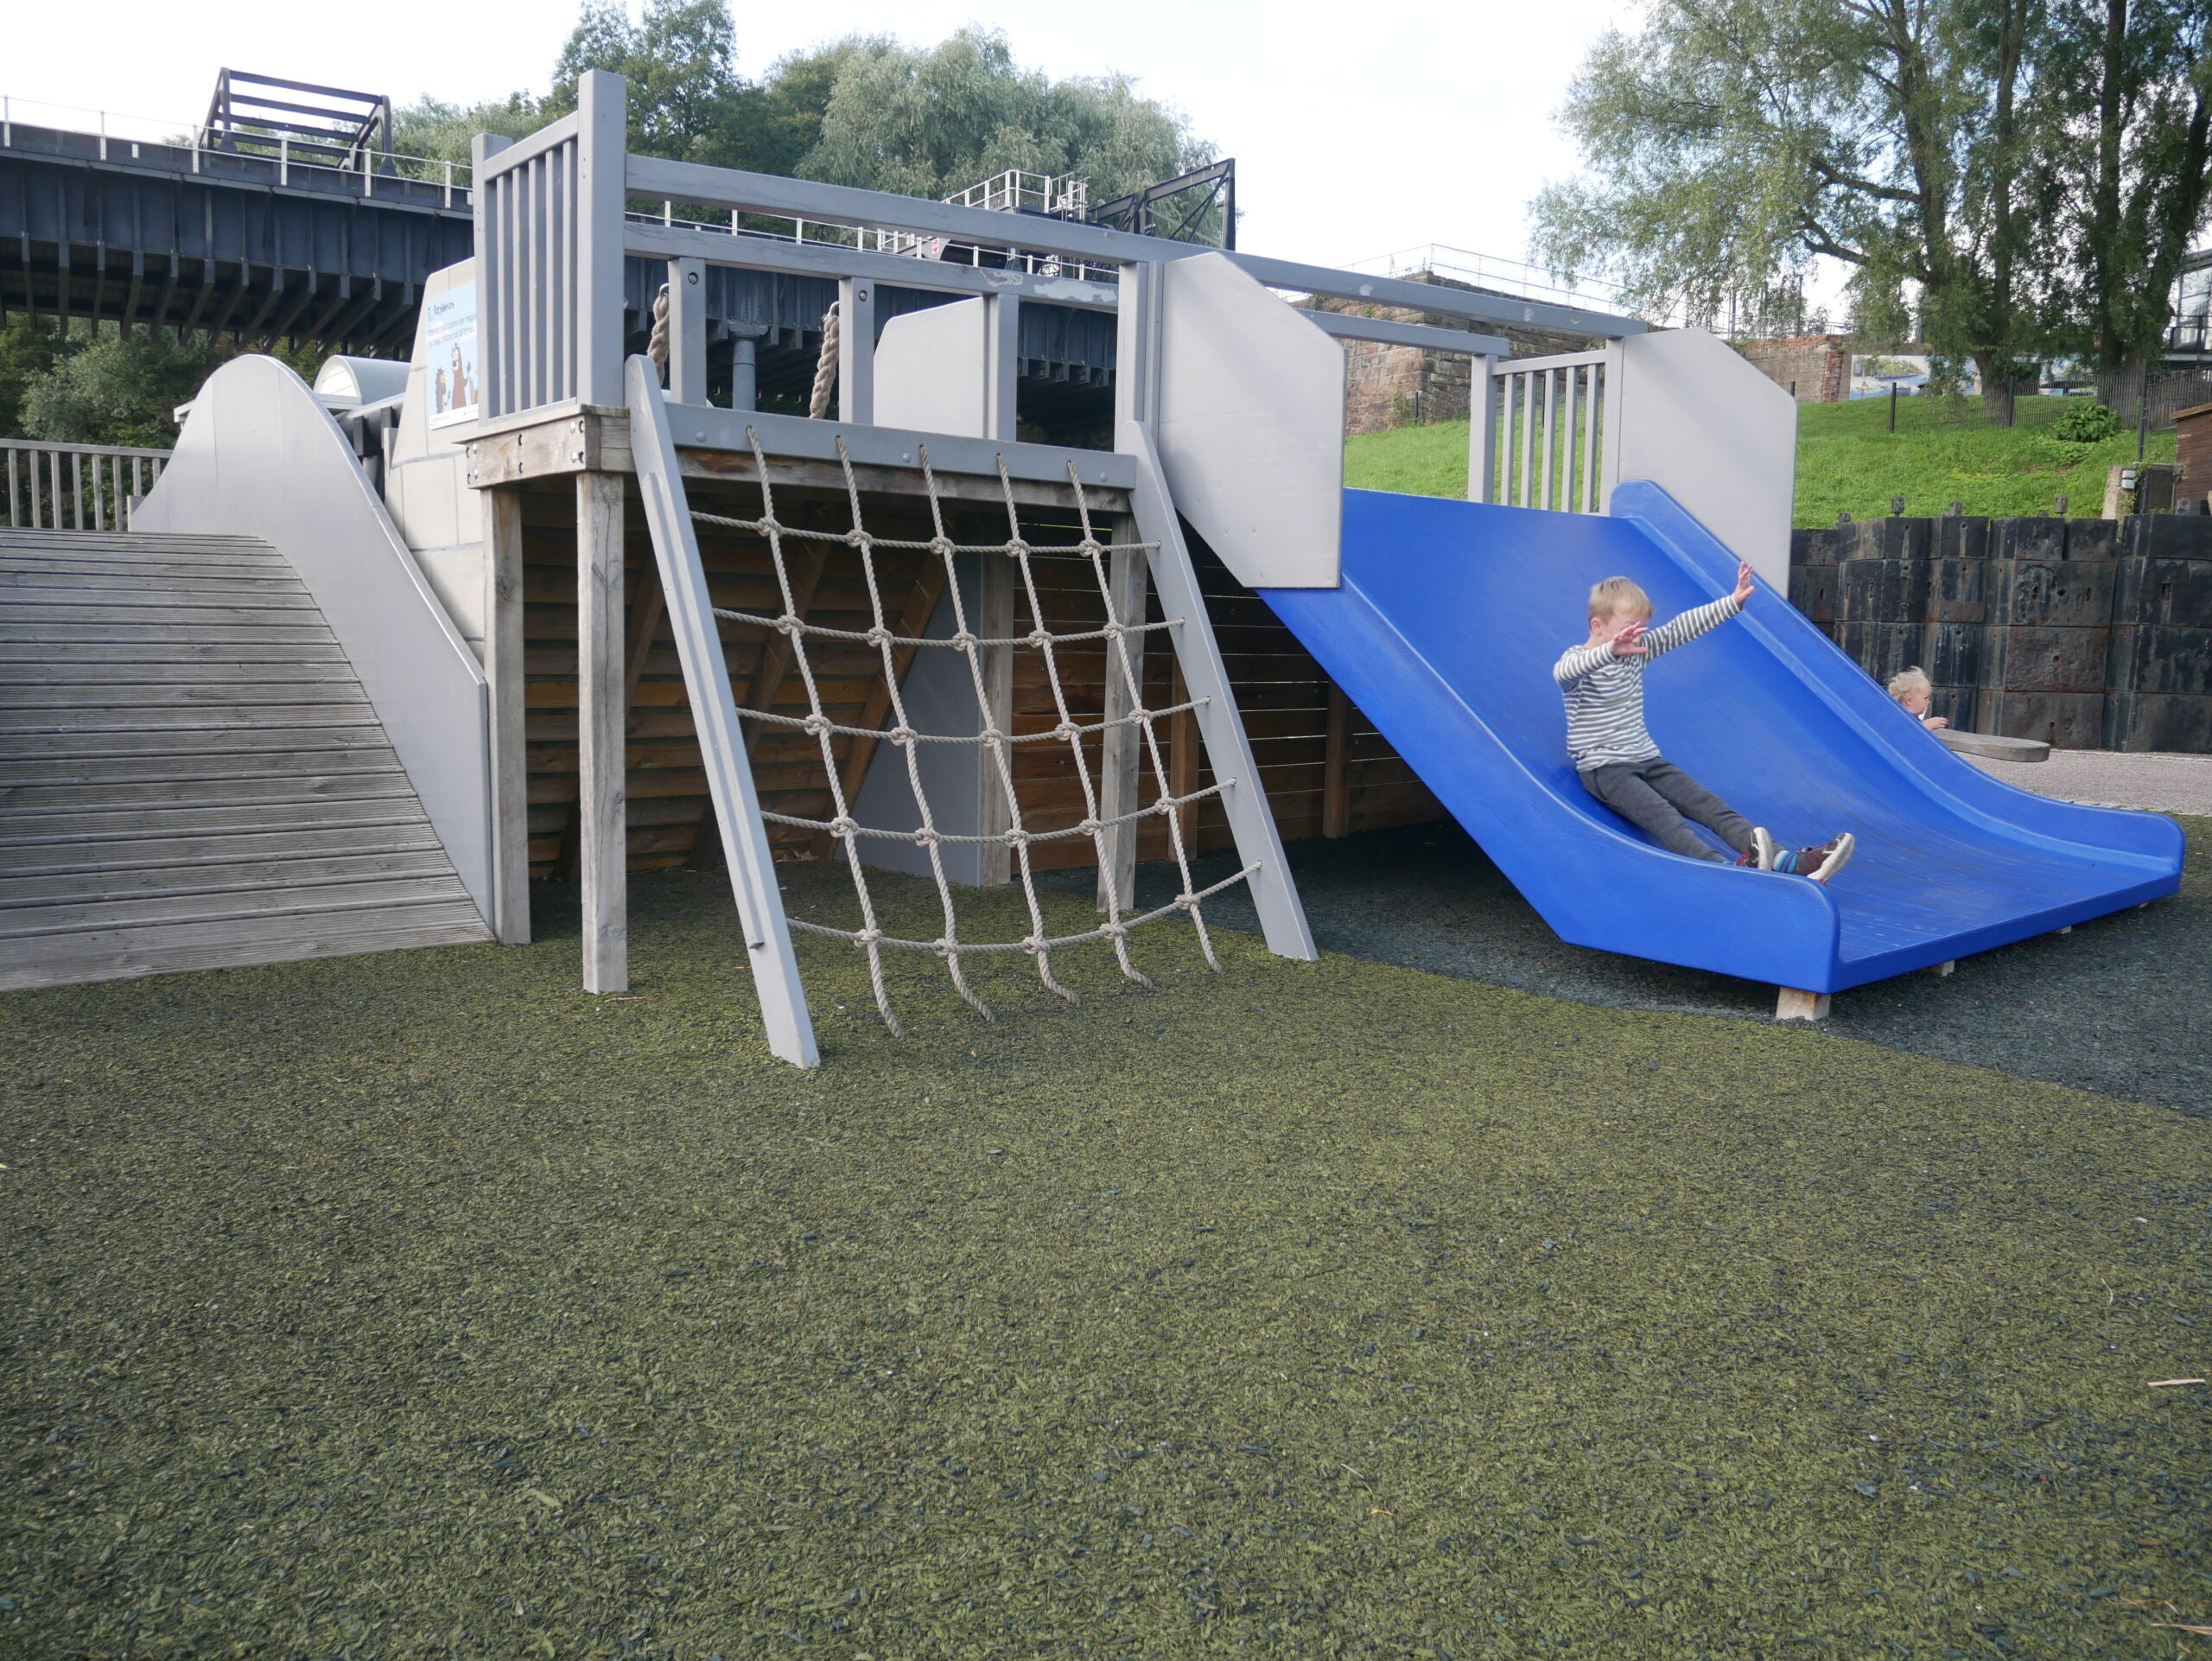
x=998, y=746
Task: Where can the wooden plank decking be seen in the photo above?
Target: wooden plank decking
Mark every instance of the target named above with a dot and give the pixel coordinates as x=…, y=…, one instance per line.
x=190, y=777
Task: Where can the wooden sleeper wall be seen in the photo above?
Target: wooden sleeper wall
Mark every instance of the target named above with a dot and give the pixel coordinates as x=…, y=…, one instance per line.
x=1286, y=698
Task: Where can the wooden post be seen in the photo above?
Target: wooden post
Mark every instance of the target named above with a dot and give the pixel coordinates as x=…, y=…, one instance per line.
x=1001, y=364
x=686, y=331
x=856, y=351
x=1790, y=1004
x=602, y=822
x=1183, y=761
x=1336, y=797
x=996, y=621
x=1122, y=748
x=503, y=668
x=602, y=135
x=1482, y=430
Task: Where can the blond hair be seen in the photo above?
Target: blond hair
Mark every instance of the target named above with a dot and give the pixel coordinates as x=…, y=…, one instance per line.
x=1617, y=596
x=1911, y=683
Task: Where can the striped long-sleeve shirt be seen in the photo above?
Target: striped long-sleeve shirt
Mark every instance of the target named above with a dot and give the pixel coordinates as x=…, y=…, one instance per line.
x=1605, y=694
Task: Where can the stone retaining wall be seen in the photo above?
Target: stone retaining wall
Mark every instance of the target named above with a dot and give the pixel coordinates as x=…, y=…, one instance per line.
x=1816, y=368
x=1389, y=387
x=2088, y=633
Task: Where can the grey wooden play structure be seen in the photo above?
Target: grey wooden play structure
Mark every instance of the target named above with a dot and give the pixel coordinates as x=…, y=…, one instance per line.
x=364, y=660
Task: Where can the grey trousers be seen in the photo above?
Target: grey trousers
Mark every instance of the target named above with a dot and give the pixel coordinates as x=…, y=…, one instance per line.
x=1659, y=797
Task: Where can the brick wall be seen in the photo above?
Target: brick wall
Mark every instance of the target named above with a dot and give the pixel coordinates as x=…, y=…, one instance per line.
x=1818, y=366
x=2089, y=634
x=1404, y=385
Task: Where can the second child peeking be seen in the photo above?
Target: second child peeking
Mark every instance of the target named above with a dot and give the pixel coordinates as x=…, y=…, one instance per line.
x=1602, y=680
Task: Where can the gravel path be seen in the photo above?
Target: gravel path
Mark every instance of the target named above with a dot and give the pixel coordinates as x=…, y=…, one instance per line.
x=2165, y=784
x=2119, y=1006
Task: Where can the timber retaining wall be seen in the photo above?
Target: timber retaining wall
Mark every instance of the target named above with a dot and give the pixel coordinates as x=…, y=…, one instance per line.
x=2088, y=633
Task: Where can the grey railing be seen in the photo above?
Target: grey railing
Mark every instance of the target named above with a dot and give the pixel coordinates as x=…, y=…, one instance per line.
x=183, y=147
x=553, y=231
x=75, y=486
x=1544, y=434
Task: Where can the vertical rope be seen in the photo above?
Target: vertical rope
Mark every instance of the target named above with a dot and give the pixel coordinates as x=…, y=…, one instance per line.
x=825, y=367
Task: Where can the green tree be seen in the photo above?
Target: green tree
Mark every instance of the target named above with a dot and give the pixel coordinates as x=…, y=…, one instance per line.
x=439, y=132
x=1918, y=141
x=680, y=59
x=2140, y=75
x=929, y=121
x=861, y=110
x=122, y=388
x=28, y=351
x=119, y=388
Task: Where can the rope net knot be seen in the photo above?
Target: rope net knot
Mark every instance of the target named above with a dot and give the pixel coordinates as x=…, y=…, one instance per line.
x=986, y=654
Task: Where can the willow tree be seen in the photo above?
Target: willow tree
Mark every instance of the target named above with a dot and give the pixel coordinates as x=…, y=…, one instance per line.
x=1730, y=142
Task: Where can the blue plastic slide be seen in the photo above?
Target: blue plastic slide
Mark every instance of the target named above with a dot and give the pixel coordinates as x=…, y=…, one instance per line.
x=1445, y=630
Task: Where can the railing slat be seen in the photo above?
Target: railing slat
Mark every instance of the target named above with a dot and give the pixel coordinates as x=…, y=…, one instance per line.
x=1551, y=435
x=1598, y=390
x=49, y=489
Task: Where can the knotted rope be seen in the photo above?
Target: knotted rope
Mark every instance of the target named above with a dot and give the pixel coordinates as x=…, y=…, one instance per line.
x=998, y=746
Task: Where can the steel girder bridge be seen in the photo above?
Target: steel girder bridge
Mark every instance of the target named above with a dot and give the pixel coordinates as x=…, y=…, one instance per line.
x=283, y=238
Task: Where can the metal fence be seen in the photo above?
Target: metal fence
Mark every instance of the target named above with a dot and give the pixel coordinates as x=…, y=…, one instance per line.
x=75, y=486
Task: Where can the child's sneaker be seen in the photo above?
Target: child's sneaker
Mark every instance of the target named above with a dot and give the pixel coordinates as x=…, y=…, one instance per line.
x=1818, y=863
x=1762, y=848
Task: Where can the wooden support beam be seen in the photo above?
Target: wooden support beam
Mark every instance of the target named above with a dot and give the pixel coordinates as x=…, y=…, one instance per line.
x=503, y=668
x=1790, y=1004
x=574, y=439
x=1001, y=579
x=777, y=651
x=1128, y=582
x=1336, y=795
x=1183, y=761
x=647, y=606
x=914, y=623
x=603, y=854
x=1943, y=968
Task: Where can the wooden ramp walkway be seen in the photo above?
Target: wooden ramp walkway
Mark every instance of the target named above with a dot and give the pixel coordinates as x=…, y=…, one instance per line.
x=190, y=777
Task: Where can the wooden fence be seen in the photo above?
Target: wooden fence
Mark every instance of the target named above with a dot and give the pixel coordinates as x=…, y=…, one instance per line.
x=75, y=486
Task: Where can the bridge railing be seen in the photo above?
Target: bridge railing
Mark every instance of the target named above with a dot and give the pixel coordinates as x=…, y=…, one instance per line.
x=75, y=486
x=182, y=147
x=554, y=228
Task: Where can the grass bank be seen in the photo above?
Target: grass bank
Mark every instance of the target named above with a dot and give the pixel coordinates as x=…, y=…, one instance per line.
x=418, y=1304
x=1943, y=451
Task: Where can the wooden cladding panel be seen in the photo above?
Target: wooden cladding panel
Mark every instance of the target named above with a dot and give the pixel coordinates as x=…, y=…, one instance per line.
x=1281, y=690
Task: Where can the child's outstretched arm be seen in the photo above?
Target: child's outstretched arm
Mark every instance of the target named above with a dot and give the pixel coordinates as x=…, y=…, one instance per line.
x=1578, y=661
x=1680, y=631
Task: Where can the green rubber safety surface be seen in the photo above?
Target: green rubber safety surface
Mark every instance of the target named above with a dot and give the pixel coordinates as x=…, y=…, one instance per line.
x=420, y=1305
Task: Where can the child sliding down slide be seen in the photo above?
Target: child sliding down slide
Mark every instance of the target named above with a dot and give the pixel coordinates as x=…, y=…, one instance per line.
x=1602, y=680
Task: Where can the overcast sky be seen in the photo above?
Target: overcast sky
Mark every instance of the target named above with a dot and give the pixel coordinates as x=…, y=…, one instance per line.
x=1355, y=134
